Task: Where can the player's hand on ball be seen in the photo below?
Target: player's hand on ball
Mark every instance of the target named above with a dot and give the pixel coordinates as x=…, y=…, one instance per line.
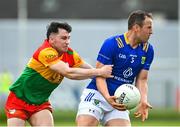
x=116, y=105
x=142, y=110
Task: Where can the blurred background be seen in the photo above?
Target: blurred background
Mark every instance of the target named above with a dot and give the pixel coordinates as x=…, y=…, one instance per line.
x=23, y=28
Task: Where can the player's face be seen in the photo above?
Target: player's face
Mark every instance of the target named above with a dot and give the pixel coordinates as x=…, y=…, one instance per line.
x=61, y=40
x=146, y=30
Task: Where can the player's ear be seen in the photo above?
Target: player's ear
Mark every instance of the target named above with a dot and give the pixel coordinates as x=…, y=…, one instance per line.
x=51, y=37
x=136, y=27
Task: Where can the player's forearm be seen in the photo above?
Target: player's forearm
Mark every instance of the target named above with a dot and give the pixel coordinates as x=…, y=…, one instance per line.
x=86, y=65
x=141, y=83
x=79, y=73
x=102, y=87
x=143, y=88
x=75, y=73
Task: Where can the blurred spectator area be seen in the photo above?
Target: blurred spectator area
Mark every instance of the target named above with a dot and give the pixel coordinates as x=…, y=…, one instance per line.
x=88, y=9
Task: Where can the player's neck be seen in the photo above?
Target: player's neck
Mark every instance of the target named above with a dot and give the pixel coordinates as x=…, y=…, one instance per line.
x=132, y=40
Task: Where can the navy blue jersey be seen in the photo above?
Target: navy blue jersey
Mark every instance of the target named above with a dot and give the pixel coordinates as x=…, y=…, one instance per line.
x=127, y=61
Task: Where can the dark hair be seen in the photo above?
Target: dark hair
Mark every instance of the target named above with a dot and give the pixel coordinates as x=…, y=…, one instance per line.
x=137, y=17
x=54, y=26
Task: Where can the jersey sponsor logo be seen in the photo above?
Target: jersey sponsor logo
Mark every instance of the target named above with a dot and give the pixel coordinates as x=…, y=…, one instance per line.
x=122, y=56
x=143, y=59
x=122, y=79
x=51, y=58
x=128, y=72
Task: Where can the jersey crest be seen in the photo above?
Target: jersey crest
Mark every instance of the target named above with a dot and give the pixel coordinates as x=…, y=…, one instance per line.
x=143, y=59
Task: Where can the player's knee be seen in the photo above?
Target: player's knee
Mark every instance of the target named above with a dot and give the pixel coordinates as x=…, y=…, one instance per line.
x=118, y=122
x=15, y=122
x=86, y=120
x=42, y=123
x=42, y=118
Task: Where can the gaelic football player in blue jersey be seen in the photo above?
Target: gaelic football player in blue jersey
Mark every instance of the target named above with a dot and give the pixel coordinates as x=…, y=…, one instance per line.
x=131, y=54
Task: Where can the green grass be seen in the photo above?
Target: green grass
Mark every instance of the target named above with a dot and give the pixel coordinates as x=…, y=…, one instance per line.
x=166, y=117
x=156, y=123
x=158, y=117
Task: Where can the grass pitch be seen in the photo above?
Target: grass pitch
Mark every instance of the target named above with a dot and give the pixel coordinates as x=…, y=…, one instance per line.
x=166, y=117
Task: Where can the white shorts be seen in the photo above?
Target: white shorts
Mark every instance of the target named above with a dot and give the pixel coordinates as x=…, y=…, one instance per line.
x=94, y=104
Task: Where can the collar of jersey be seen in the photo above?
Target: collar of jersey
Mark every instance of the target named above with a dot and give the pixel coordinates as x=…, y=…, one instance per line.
x=126, y=39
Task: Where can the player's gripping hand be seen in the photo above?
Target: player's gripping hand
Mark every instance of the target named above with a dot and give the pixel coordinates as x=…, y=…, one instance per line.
x=106, y=70
x=114, y=104
x=142, y=111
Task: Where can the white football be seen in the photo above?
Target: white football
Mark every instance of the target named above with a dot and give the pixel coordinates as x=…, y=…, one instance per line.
x=129, y=95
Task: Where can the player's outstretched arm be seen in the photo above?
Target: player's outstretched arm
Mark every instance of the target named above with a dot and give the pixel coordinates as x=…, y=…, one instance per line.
x=81, y=73
x=144, y=106
x=86, y=65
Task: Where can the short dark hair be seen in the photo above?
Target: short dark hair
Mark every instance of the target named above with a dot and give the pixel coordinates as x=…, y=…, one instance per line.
x=137, y=17
x=54, y=26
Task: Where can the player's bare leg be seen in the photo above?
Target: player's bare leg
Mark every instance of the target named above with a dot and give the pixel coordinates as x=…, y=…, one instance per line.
x=42, y=118
x=12, y=122
x=118, y=122
x=86, y=120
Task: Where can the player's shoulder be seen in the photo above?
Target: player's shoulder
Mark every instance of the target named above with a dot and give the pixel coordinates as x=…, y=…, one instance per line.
x=113, y=40
x=48, y=52
x=45, y=51
x=150, y=45
x=147, y=47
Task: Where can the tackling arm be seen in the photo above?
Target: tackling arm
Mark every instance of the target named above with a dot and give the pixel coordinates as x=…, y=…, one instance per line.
x=86, y=65
x=81, y=73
